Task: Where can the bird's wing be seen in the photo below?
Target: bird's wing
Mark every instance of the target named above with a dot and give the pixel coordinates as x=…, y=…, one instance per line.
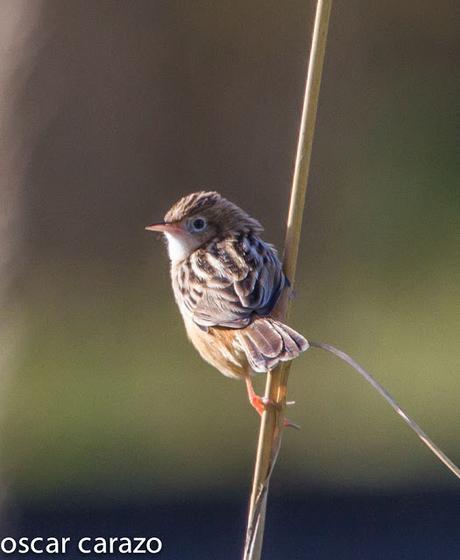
x=227, y=282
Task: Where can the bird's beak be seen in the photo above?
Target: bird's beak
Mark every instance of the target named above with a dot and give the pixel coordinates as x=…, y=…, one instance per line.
x=164, y=227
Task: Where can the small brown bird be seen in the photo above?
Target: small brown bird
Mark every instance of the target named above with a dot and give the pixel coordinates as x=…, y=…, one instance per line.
x=226, y=282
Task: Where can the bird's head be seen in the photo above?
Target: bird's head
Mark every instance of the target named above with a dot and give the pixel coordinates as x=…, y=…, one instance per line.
x=196, y=219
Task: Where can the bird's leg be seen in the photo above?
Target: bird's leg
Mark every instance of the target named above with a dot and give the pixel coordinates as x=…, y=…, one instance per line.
x=262, y=403
x=258, y=402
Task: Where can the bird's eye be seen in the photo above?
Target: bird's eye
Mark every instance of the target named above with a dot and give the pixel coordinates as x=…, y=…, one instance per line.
x=198, y=224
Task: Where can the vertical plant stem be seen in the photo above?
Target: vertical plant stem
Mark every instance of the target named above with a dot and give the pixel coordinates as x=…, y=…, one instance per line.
x=272, y=421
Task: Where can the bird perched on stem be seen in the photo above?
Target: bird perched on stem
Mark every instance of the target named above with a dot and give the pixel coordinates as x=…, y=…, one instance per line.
x=226, y=282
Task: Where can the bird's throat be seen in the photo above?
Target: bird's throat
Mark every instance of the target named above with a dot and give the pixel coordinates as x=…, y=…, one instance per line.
x=178, y=247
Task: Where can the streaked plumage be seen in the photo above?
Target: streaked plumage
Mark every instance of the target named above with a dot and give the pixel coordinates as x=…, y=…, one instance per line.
x=226, y=282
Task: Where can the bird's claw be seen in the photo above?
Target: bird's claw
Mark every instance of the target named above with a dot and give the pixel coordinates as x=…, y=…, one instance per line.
x=290, y=424
x=262, y=403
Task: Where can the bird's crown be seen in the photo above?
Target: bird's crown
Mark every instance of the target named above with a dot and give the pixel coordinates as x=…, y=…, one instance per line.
x=219, y=211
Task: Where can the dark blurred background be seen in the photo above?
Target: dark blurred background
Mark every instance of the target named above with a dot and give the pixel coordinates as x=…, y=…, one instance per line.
x=111, y=423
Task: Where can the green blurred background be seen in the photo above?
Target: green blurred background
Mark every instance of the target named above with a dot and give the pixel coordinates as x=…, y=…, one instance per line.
x=116, y=109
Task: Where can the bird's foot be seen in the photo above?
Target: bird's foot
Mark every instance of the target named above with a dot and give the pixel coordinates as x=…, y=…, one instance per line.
x=262, y=403
x=290, y=424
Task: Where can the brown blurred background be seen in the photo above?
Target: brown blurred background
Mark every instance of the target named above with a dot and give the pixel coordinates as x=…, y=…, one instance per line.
x=110, y=112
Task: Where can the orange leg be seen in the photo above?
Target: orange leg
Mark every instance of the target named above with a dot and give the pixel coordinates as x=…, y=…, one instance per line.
x=261, y=403
x=258, y=402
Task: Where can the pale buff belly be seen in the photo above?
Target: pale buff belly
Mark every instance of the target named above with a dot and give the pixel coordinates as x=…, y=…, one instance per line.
x=216, y=346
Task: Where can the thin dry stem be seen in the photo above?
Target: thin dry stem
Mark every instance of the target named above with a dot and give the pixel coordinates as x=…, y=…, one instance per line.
x=435, y=449
x=271, y=426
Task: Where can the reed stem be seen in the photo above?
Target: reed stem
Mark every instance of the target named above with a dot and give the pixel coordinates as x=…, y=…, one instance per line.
x=272, y=420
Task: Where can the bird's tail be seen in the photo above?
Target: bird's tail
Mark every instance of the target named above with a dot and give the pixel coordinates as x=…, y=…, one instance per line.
x=266, y=342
